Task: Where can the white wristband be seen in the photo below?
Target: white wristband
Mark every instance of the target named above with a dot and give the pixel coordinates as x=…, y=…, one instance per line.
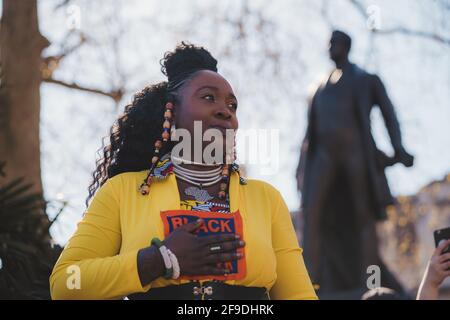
x=175, y=264
x=167, y=261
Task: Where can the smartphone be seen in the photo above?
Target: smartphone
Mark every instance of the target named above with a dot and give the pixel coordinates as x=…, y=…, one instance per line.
x=442, y=234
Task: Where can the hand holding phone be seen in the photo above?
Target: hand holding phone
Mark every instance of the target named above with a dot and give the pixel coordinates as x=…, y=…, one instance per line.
x=442, y=235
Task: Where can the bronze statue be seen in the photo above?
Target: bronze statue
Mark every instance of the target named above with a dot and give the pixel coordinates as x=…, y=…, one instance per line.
x=341, y=176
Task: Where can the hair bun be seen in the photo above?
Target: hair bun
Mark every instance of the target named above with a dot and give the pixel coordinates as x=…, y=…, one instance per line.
x=187, y=57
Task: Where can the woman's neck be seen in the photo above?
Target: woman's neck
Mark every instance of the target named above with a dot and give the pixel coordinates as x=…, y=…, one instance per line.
x=193, y=165
x=197, y=167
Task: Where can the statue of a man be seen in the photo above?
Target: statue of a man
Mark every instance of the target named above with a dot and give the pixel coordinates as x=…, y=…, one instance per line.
x=341, y=175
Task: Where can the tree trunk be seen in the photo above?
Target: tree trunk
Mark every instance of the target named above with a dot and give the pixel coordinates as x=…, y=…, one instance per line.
x=21, y=45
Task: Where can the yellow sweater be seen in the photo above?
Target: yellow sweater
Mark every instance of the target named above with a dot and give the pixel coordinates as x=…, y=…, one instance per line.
x=119, y=221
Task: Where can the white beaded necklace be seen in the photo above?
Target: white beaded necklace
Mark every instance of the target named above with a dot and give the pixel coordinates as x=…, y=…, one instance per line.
x=184, y=161
x=198, y=178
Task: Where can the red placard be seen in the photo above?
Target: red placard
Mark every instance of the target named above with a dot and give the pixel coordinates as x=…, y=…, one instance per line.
x=214, y=223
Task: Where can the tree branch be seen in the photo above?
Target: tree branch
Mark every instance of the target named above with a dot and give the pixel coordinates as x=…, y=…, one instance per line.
x=57, y=58
x=417, y=33
x=116, y=95
x=402, y=30
x=62, y=4
x=360, y=7
x=51, y=63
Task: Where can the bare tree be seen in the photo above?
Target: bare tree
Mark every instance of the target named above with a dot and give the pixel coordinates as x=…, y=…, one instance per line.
x=21, y=45
x=23, y=69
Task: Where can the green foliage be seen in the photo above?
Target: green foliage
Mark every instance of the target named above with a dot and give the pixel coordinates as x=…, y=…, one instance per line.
x=26, y=250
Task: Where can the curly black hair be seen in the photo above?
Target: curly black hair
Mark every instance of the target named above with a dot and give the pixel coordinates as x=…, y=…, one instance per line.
x=134, y=133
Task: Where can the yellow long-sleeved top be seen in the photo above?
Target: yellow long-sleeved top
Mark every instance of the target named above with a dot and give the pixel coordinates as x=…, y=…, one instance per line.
x=120, y=221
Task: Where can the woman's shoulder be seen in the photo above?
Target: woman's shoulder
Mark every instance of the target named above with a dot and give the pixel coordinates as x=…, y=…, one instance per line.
x=261, y=186
x=264, y=195
x=127, y=178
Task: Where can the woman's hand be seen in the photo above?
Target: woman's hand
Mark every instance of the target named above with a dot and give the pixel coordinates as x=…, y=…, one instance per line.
x=193, y=252
x=437, y=270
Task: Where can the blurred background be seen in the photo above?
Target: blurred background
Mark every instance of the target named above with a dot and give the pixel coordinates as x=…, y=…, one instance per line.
x=68, y=68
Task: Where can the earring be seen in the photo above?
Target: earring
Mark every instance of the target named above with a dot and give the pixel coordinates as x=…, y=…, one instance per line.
x=235, y=166
x=224, y=183
x=230, y=158
x=145, y=186
x=167, y=125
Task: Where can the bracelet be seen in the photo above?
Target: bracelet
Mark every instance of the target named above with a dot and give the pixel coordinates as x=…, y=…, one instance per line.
x=165, y=255
x=175, y=264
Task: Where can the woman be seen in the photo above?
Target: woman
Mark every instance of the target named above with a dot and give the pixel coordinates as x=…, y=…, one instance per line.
x=160, y=228
x=438, y=269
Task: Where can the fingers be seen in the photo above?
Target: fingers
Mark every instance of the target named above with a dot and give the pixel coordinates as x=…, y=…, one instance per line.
x=446, y=265
x=218, y=238
x=223, y=257
x=442, y=270
x=192, y=226
x=442, y=245
x=210, y=270
x=225, y=246
x=444, y=257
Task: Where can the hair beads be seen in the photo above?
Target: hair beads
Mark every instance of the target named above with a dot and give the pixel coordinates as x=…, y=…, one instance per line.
x=145, y=186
